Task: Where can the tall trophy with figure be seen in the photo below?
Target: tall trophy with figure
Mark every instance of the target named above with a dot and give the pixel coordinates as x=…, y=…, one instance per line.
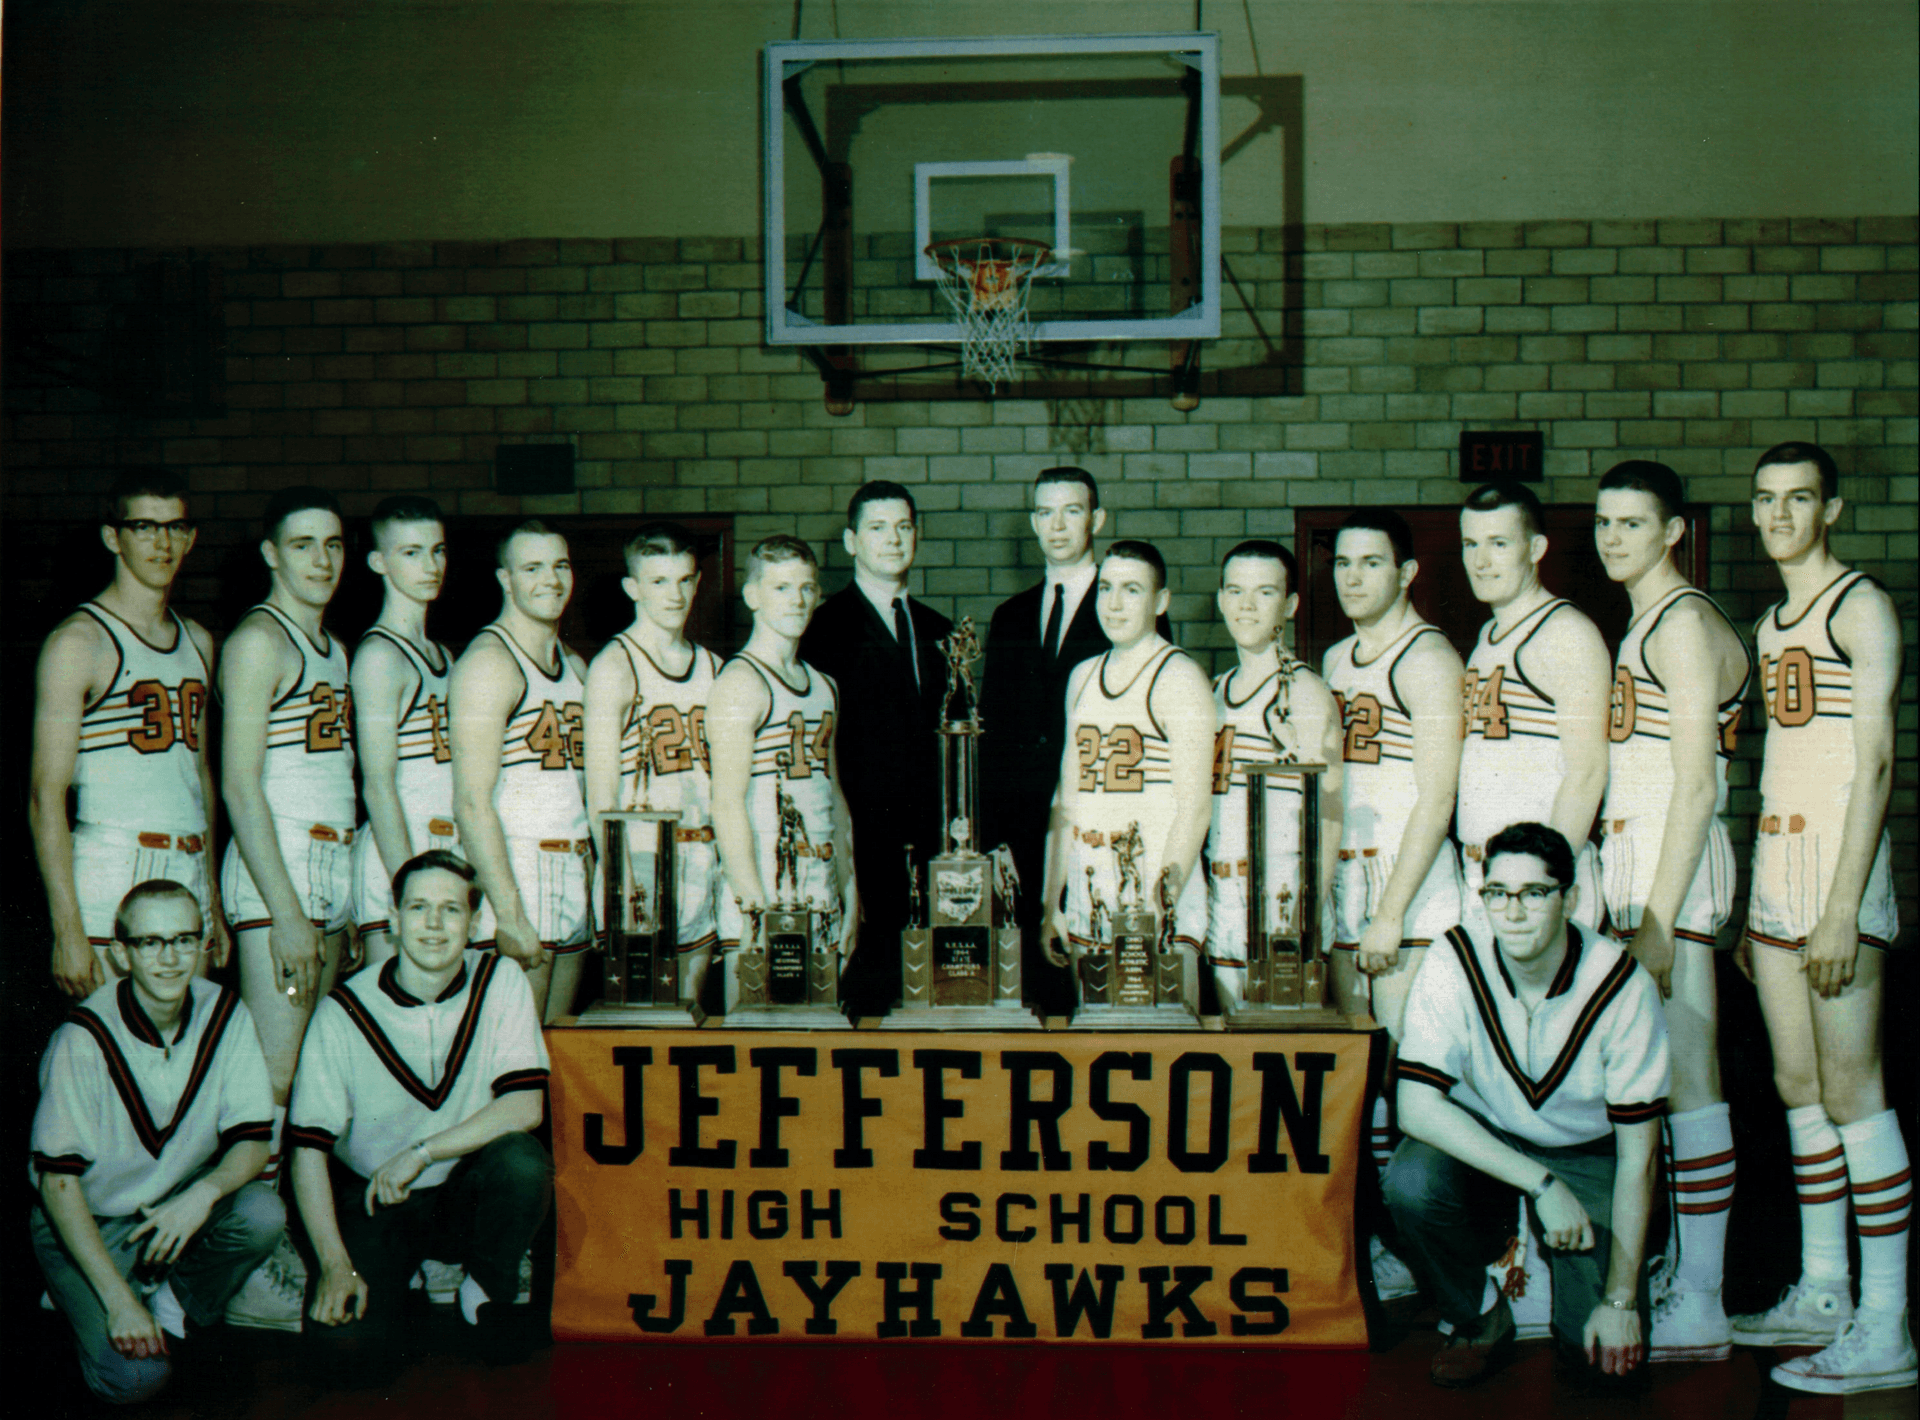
x=639, y=911
x=789, y=968
x=960, y=951
x=1134, y=974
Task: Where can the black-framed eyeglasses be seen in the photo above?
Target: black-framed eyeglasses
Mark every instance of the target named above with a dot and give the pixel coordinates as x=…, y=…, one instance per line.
x=146, y=529
x=184, y=944
x=1533, y=897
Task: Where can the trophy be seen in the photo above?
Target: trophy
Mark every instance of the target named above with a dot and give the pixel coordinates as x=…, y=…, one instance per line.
x=1286, y=966
x=789, y=957
x=1133, y=975
x=960, y=950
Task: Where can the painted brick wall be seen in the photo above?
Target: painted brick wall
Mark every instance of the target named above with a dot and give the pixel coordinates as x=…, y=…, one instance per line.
x=376, y=369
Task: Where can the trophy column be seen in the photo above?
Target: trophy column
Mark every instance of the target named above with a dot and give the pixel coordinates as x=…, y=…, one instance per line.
x=639, y=917
x=1135, y=976
x=1286, y=960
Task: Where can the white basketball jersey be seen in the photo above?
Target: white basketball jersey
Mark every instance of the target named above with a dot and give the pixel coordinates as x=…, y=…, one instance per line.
x=423, y=776
x=1377, y=788
x=139, y=763
x=309, y=770
x=540, y=793
x=792, y=751
x=1240, y=738
x=1807, y=684
x=1123, y=761
x=674, y=711
x=1510, y=764
x=1640, y=740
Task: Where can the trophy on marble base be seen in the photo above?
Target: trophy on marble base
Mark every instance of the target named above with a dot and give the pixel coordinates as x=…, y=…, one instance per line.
x=640, y=917
x=960, y=950
x=1139, y=977
x=788, y=964
x=1286, y=964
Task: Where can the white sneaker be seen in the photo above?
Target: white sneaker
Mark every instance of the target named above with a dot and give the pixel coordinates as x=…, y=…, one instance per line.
x=1689, y=1325
x=1391, y=1277
x=272, y=1297
x=524, y=1294
x=442, y=1280
x=1874, y=1351
x=1809, y=1313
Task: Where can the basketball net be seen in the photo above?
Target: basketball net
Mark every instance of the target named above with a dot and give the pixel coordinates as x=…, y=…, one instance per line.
x=986, y=280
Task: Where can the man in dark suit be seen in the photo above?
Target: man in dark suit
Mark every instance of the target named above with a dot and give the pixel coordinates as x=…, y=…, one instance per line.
x=1036, y=637
x=881, y=646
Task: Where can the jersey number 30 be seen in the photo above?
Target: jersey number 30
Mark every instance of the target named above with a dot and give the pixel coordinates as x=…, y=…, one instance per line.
x=156, y=732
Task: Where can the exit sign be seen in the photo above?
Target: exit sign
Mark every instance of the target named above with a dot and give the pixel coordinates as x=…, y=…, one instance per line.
x=1487, y=454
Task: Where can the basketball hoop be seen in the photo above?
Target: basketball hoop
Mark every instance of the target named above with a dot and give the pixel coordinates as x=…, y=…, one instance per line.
x=986, y=280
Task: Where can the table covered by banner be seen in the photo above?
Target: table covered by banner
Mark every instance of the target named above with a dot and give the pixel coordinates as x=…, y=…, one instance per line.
x=1195, y=1188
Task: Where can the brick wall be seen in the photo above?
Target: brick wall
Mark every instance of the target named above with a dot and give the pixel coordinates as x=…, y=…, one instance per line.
x=376, y=369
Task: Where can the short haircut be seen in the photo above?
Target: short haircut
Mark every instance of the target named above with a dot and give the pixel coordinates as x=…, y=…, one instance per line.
x=143, y=481
x=404, y=508
x=1135, y=550
x=781, y=547
x=1549, y=845
x=527, y=527
x=1646, y=476
x=1067, y=473
x=880, y=490
x=1273, y=552
x=1505, y=493
x=661, y=540
x=301, y=498
x=153, y=889
x=447, y=862
x=1381, y=520
x=1794, y=451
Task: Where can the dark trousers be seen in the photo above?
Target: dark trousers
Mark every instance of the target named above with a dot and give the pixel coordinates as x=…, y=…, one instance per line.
x=483, y=1217
x=1023, y=823
x=241, y=1229
x=1453, y=1220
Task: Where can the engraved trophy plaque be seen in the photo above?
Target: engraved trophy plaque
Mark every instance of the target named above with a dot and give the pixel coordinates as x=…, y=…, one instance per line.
x=788, y=965
x=960, y=950
x=1134, y=975
x=1286, y=963
x=639, y=916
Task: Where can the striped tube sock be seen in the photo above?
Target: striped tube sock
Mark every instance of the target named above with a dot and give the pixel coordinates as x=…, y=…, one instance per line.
x=1380, y=1137
x=1701, y=1178
x=1820, y=1178
x=1882, y=1204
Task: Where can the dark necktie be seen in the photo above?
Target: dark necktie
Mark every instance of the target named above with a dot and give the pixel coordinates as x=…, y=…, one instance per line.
x=903, y=633
x=1055, y=617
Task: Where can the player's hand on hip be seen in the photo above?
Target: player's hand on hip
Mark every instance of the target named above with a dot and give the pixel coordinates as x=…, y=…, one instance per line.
x=1743, y=957
x=1652, y=947
x=1832, y=949
x=1379, y=949
x=340, y=1296
x=132, y=1331
x=1611, y=1339
x=219, y=943
x=171, y=1225
x=514, y=937
x=294, y=947
x=1563, y=1220
x=76, y=970
x=1054, y=939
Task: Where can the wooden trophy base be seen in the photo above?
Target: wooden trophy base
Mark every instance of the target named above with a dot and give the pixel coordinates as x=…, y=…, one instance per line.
x=926, y=977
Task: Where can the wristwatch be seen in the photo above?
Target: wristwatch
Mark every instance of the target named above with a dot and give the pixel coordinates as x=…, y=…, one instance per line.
x=1538, y=1191
x=426, y=1154
x=1619, y=1306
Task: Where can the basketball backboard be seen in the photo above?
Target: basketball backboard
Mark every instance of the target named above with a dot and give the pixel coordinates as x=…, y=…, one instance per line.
x=1104, y=147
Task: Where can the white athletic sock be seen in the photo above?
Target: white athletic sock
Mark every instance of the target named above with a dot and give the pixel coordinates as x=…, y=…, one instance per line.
x=472, y=1297
x=1230, y=985
x=271, y=1173
x=1701, y=1181
x=1820, y=1179
x=167, y=1311
x=1882, y=1205
x=1380, y=1136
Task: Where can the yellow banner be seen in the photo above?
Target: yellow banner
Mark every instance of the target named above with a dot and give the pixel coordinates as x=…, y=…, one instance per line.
x=868, y=1185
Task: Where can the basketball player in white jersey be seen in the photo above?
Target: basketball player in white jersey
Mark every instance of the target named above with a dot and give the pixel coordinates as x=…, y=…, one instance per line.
x=1666, y=865
x=286, y=774
x=771, y=721
x=1138, y=757
x=1536, y=698
x=119, y=714
x=518, y=703
x=1821, y=920
x=1396, y=884
x=1268, y=707
x=400, y=731
x=652, y=677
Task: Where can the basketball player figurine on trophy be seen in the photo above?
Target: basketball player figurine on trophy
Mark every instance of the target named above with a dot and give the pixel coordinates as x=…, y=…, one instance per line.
x=1139, y=977
x=960, y=957
x=789, y=967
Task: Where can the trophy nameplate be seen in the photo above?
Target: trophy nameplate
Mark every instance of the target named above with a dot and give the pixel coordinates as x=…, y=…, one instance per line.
x=960, y=950
x=1286, y=966
x=640, y=916
x=787, y=968
x=1133, y=975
